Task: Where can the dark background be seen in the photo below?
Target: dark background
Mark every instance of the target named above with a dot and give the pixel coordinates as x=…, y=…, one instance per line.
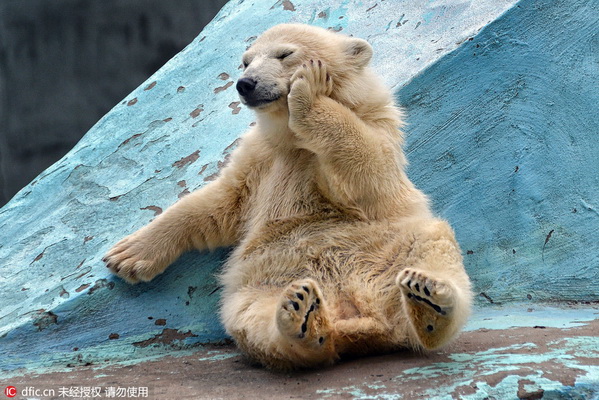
x=66, y=63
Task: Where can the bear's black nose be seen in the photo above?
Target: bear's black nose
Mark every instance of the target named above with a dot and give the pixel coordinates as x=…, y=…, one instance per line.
x=245, y=86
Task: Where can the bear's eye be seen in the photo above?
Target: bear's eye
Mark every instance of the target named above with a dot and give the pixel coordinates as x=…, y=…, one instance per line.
x=246, y=60
x=284, y=54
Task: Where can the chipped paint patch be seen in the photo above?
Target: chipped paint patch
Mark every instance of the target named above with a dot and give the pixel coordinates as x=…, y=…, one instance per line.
x=216, y=355
x=170, y=337
x=234, y=105
x=157, y=210
x=222, y=88
x=190, y=159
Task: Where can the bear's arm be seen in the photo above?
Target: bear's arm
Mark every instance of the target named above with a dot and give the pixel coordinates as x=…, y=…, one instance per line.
x=360, y=164
x=208, y=218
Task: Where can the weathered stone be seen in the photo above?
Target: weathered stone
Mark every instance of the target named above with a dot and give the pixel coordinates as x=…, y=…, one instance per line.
x=501, y=135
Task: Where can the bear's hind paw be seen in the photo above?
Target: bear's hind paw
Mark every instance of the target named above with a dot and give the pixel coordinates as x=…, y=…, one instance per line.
x=419, y=287
x=431, y=306
x=301, y=315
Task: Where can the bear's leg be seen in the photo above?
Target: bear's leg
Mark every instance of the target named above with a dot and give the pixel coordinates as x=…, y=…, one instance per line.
x=281, y=328
x=434, y=287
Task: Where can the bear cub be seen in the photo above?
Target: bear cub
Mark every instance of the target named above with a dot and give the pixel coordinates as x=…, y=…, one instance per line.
x=335, y=251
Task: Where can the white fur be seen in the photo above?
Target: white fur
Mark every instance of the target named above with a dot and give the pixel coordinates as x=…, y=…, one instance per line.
x=330, y=235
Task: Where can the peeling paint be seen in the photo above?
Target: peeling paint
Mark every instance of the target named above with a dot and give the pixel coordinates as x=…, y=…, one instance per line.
x=157, y=210
x=234, y=105
x=82, y=287
x=190, y=159
x=472, y=119
x=222, y=88
x=285, y=4
x=43, y=319
x=196, y=112
x=150, y=86
x=101, y=284
x=170, y=337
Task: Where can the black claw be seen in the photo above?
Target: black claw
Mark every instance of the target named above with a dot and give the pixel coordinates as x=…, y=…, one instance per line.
x=319, y=63
x=429, y=328
x=304, y=327
x=300, y=296
x=410, y=295
x=426, y=291
x=417, y=287
x=295, y=305
x=306, y=289
x=312, y=307
x=409, y=284
x=317, y=300
x=321, y=340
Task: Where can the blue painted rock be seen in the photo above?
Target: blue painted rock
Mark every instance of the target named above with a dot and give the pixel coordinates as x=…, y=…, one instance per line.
x=502, y=136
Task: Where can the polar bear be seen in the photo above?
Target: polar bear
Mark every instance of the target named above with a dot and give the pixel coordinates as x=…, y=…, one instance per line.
x=336, y=252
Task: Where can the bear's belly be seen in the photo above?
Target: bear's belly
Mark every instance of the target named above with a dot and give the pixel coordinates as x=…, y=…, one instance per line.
x=329, y=249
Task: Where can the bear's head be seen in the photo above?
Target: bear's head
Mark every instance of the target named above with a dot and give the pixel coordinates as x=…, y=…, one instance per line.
x=272, y=59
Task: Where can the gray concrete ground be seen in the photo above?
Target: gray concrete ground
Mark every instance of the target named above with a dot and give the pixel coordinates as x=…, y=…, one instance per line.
x=519, y=363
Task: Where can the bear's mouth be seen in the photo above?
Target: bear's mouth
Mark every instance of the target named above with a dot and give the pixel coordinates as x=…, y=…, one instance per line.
x=253, y=102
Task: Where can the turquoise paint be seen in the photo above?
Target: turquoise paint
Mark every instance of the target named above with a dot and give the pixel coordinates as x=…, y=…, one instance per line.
x=87, y=321
x=473, y=119
x=529, y=314
x=504, y=367
x=468, y=370
x=502, y=135
x=427, y=17
x=361, y=392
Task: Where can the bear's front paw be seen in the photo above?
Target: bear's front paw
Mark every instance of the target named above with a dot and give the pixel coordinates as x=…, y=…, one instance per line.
x=301, y=314
x=307, y=83
x=134, y=259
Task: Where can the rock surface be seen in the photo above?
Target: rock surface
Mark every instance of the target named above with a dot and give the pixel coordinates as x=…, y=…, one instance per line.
x=501, y=135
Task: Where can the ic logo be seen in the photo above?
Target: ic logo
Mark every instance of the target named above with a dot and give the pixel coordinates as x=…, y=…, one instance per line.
x=10, y=391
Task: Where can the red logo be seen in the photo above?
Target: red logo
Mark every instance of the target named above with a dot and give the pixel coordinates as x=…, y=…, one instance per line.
x=10, y=391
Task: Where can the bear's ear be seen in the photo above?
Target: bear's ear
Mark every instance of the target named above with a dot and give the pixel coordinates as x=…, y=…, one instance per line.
x=359, y=52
